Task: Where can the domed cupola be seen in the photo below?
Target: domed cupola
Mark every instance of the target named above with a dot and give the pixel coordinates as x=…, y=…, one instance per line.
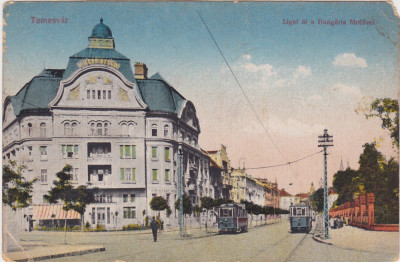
x=101, y=37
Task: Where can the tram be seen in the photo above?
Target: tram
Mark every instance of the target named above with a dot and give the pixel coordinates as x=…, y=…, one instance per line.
x=232, y=218
x=300, y=218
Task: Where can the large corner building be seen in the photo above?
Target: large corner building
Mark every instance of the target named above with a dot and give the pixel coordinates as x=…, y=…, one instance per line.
x=118, y=128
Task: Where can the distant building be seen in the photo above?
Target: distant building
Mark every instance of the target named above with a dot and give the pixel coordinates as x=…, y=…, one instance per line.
x=246, y=187
x=220, y=158
x=312, y=189
x=332, y=197
x=286, y=199
x=303, y=197
x=272, y=196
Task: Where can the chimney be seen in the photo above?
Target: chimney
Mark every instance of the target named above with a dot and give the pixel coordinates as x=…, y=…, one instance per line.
x=140, y=71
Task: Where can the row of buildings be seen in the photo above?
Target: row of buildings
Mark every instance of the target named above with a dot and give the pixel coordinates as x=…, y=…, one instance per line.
x=121, y=130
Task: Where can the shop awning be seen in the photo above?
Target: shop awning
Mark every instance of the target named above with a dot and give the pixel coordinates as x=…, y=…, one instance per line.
x=48, y=211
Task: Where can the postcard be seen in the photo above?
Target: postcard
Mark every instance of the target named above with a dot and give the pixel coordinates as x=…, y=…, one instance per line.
x=200, y=131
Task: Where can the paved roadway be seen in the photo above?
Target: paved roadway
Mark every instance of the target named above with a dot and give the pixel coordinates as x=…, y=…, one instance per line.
x=269, y=243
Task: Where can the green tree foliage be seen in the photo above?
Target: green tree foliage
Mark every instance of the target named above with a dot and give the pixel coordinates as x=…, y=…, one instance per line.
x=375, y=175
x=206, y=203
x=187, y=205
x=221, y=201
x=158, y=203
x=17, y=191
x=388, y=111
x=344, y=183
x=317, y=200
x=72, y=198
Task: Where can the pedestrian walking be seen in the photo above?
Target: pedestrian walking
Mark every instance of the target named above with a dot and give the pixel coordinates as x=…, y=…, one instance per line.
x=154, y=227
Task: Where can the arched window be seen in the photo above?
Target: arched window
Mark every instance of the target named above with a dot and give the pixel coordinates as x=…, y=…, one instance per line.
x=99, y=131
x=153, y=130
x=105, y=129
x=74, y=127
x=29, y=129
x=43, y=129
x=124, y=129
x=92, y=129
x=131, y=130
x=67, y=129
x=166, y=131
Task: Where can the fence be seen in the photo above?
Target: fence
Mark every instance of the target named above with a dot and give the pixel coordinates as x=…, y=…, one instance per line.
x=361, y=213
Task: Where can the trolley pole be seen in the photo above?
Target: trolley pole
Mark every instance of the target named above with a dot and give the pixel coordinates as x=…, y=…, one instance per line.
x=325, y=141
x=180, y=156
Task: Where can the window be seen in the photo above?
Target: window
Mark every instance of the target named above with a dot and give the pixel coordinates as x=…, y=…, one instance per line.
x=74, y=129
x=128, y=174
x=92, y=129
x=167, y=157
x=69, y=151
x=98, y=94
x=154, y=130
x=43, y=152
x=104, y=94
x=131, y=130
x=155, y=175
x=67, y=129
x=93, y=94
x=127, y=151
x=43, y=129
x=132, y=197
x=166, y=174
x=154, y=152
x=99, y=130
x=93, y=215
x=105, y=129
x=88, y=94
x=43, y=175
x=109, y=94
x=166, y=130
x=125, y=198
x=129, y=212
x=29, y=129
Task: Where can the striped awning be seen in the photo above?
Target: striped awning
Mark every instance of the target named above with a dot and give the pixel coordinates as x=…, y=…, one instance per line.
x=48, y=211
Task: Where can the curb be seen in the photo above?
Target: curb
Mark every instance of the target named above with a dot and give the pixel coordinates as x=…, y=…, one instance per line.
x=66, y=254
x=320, y=240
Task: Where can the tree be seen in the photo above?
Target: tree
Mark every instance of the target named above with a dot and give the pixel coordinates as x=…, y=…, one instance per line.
x=206, y=203
x=344, y=183
x=82, y=197
x=17, y=191
x=317, y=200
x=158, y=203
x=221, y=201
x=388, y=111
x=187, y=205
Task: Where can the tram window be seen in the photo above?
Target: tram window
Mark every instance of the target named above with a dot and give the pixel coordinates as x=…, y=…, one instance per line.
x=226, y=212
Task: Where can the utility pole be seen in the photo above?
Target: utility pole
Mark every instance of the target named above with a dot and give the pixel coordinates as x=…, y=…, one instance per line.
x=325, y=141
x=180, y=197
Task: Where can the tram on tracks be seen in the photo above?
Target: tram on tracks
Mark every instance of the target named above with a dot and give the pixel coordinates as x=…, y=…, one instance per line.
x=232, y=218
x=301, y=216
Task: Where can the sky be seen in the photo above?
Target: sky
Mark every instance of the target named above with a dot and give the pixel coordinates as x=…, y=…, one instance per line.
x=299, y=78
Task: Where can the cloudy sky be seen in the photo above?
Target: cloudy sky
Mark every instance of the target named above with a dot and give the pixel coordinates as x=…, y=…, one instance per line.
x=300, y=79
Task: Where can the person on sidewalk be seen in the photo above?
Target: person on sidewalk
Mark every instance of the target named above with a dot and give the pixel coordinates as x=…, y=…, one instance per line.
x=154, y=227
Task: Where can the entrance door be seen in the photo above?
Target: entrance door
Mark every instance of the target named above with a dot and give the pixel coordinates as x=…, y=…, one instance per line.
x=101, y=215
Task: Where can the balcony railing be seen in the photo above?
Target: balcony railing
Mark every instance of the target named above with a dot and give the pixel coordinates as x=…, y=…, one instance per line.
x=99, y=157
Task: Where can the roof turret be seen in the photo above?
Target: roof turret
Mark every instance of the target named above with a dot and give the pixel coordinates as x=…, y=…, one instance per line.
x=101, y=31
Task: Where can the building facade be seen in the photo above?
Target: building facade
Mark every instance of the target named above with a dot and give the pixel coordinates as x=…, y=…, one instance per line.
x=120, y=131
x=247, y=188
x=223, y=165
x=272, y=195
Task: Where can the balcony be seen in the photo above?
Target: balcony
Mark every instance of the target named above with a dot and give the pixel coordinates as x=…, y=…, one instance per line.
x=99, y=158
x=99, y=153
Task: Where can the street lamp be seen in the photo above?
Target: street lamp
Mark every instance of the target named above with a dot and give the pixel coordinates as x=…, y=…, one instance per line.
x=180, y=156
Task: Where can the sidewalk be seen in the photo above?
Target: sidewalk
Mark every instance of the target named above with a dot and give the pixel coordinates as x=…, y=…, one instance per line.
x=349, y=237
x=33, y=251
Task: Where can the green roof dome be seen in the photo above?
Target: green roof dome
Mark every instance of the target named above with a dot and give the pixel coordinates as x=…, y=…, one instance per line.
x=101, y=30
